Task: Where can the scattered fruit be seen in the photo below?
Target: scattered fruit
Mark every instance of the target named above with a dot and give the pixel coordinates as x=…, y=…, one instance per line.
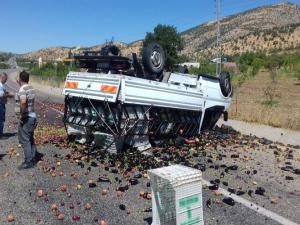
x=53, y=206
x=88, y=206
x=102, y=222
x=10, y=218
x=75, y=218
x=92, y=184
x=149, y=196
x=104, y=192
x=274, y=201
x=260, y=191
x=289, y=178
x=120, y=193
x=229, y=201
x=40, y=193
x=63, y=188
x=217, y=193
x=61, y=216
x=122, y=207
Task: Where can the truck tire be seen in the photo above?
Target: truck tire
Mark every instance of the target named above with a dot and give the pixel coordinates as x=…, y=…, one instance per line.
x=114, y=50
x=225, y=83
x=154, y=58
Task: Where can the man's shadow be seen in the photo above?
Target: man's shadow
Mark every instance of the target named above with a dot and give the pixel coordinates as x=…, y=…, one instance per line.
x=148, y=220
x=1, y=156
x=38, y=156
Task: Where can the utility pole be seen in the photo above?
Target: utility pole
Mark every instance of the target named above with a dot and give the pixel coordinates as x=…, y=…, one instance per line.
x=218, y=45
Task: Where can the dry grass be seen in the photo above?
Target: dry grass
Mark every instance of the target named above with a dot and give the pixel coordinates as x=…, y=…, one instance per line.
x=52, y=82
x=249, y=101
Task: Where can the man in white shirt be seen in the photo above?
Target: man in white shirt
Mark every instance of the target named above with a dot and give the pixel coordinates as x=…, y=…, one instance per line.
x=28, y=120
x=3, y=99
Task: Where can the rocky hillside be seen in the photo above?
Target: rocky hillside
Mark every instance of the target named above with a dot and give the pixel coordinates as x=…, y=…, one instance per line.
x=268, y=28
x=63, y=52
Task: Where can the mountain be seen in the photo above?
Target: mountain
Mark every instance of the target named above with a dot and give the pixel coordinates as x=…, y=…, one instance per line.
x=269, y=28
x=63, y=52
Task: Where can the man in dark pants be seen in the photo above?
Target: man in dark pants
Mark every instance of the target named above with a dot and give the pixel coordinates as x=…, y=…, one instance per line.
x=3, y=99
x=28, y=120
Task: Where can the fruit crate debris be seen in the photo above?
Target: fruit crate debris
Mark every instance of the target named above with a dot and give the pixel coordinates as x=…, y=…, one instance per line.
x=176, y=195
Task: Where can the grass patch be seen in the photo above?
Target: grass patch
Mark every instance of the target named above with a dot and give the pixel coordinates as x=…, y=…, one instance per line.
x=4, y=66
x=50, y=74
x=263, y=101
x=56, y=82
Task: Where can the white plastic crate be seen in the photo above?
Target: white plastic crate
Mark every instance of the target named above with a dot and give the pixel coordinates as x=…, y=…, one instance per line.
x=176, y=196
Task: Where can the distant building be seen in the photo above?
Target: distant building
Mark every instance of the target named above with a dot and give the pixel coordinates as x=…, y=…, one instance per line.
x=40, y=61
x=216, y=60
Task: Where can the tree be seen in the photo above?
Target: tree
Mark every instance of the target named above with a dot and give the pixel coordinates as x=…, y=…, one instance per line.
x=170, y=40
x=250, y=63
x=70, y=54
x=257, y=64
x=273, y=64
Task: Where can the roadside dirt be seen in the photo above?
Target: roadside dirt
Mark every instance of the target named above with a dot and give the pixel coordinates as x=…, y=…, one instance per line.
x=281, y=135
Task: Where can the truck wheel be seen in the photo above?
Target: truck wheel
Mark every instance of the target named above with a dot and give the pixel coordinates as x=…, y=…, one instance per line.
x=154, y=58
x=114, y=50
x=225, y=84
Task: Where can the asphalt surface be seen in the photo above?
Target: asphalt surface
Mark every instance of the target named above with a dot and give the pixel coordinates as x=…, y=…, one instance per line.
x=260, y=163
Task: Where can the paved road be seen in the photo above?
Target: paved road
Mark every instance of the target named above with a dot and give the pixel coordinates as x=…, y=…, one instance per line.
x=258, y=166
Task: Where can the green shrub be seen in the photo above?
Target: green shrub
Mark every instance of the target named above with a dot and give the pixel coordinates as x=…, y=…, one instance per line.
x=206, y=67
x=4, y=66
x=58, y=70
x=251, y=63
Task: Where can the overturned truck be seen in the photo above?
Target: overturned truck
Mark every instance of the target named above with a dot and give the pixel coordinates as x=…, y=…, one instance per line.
x=116, y=101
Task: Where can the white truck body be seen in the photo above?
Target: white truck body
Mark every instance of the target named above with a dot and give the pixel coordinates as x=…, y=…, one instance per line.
x=181, y=92
x=182, y=100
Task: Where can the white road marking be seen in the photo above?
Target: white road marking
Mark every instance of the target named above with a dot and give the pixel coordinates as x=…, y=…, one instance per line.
x=254, y=206
x=245, y=202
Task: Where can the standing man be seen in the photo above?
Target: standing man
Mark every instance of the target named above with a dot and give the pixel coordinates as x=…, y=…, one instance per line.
x=3, y=99
x=28, y=120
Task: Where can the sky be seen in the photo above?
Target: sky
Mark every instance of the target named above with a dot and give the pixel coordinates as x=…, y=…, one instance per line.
x=28, y=25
